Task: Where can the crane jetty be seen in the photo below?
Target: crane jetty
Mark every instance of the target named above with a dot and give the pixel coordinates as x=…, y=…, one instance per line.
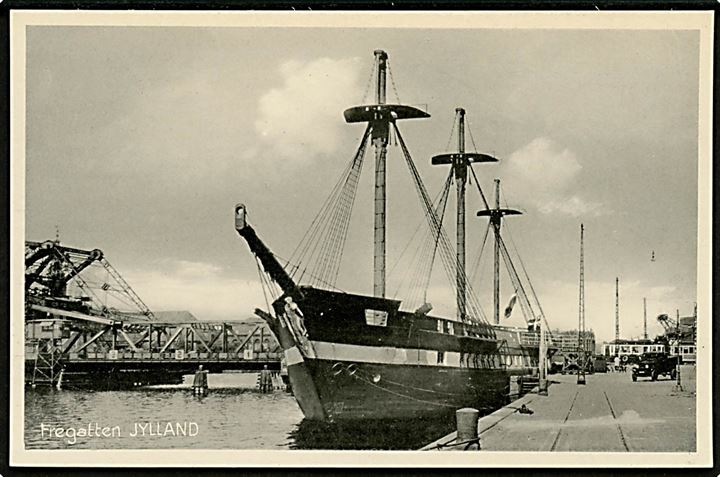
x=76, y=336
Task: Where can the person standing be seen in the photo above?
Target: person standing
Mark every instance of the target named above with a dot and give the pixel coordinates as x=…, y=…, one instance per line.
x=265, y=380
x=200, y=382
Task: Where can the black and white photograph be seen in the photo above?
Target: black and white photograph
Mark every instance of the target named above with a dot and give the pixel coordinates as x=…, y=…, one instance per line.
x=335, y=238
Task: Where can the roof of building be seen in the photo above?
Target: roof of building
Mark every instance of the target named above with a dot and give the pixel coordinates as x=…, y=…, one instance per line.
x=181, y=316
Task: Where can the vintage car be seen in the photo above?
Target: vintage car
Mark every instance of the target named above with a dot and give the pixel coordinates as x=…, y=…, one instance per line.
x=653, y=365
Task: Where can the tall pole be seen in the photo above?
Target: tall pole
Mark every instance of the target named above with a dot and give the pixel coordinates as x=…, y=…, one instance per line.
x=380, y=135
x=460, y=161
x=496, y=216
x=617, y=310
x=496, y=262
x=581, y=311
x=645, y=335
x=542, y=361
x=460, y=167
x=379, y=116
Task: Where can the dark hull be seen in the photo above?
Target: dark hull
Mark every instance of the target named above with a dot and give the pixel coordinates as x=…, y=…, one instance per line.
x=341, y=367
x=377, y=391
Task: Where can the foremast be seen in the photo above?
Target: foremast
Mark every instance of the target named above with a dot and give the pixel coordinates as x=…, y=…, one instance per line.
x=379, y=116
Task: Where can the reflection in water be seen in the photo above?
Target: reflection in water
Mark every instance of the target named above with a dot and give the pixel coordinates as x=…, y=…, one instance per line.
x=371, y=434
x=227, y=418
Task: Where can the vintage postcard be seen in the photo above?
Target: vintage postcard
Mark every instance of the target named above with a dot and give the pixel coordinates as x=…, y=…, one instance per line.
x=352, y=239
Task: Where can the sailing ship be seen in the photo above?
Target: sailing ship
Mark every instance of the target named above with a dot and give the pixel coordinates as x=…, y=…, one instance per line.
x=354, y=356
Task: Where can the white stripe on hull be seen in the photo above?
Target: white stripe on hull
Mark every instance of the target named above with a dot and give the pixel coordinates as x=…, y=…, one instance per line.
x=398, y=356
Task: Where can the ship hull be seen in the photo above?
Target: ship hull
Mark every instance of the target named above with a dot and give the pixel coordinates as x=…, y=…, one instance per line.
x=339, y=367
x=357, y=390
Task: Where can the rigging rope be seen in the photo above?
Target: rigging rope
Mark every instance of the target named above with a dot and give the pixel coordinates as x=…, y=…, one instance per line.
x=309, y=243
x=447, y=255
x=477, y=183
x=422, y=268
x=325, y=209
x=517, y=284
x=444, y=201
x=476, y=264
x=294, y=266
x=452, y=130
x=369, y=82
x=392, y=80
x=263, y=278
x=412, y=263
x=321, y=248
x=530, y=284
x=472, y=139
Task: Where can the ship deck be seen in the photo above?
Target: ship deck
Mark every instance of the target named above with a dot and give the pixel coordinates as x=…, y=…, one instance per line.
x=610, y=413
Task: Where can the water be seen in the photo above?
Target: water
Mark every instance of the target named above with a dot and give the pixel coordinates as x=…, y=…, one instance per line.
x=227, y=418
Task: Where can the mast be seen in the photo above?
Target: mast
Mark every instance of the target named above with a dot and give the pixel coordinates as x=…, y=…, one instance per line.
x=496, y=256
x=581, y=311
x=460, y=180
x=617, y=310
x=460, y=162
x=645, y=335
x=380, y=135
x=380, y=115
x=496, y=216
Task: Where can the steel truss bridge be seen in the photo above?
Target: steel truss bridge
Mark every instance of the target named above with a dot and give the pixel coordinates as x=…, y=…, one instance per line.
x=75, y=339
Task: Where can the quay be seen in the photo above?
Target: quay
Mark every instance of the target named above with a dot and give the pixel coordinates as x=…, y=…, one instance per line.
x=610, y=413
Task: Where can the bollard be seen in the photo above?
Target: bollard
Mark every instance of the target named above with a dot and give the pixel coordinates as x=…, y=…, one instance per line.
x=514, y=387
x=678, y=384
x=467, y=426
x=543, y=387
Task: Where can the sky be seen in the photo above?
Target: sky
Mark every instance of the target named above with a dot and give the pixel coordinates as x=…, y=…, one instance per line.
x=140, y=140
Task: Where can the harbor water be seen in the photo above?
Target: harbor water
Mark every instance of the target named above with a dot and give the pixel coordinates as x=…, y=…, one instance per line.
x=234, y=415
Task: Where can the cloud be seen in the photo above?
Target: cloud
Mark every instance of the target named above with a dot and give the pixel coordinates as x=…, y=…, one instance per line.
x=543, y=175
x=301, y=118
x=189, y=270
x=572, y=205
x=200, y=288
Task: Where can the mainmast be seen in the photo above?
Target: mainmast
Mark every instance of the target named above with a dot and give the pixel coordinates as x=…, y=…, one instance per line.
x=379, y=116
x=380, y=135
x=496, y=216
x=460, y=162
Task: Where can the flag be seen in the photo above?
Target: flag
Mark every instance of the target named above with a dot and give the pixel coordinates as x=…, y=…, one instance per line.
x=511, y=304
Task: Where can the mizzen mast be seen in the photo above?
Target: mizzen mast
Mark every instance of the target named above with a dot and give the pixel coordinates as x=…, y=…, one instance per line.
x=379, y=116
x=460, y=161
x=496, y=216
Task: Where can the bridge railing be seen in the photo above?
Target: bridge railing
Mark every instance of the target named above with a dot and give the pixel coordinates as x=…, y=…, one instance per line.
x=175, y=356
x=80, y=339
